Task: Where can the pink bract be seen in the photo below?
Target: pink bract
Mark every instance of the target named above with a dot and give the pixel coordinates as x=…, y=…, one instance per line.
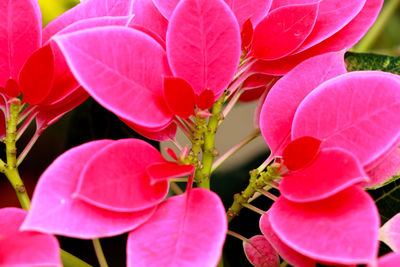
x=184, y=231
x=204, y=48
x=55, y=210
x=20, y=35
x=283, y=99
x=332, y=171
x=390, y=233
x=260, y=252
x=131, y=67
x=350, y=112
x=387, y=260
x=340, y=229
x=163, y=171
x=25, y=248
x=116, y=179
x=288, y=254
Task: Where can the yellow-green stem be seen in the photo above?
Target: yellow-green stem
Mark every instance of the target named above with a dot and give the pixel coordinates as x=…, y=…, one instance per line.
x=99, y=253
x=257, y=181
x=202, y=176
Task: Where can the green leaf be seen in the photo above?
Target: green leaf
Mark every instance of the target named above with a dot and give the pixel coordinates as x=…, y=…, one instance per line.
x=370, y=61
x=387, y=199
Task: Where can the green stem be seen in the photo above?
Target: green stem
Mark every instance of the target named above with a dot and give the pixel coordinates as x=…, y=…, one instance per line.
x=369, y=39
x=99, y=253
x=238, y=236
x=70, y=260
x=202, y=176
x=257, y=182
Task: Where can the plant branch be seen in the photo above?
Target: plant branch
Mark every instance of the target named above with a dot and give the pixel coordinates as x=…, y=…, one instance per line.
x=99, y=253
x=238, y=236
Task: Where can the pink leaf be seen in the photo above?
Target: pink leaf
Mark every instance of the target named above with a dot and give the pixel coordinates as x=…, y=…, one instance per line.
x=166, y=7
x=246, y=35
x=300, y=152
x=91, y=52
x=388, y=260
x=341, y=229
x=205, y=100
x=25, y=248
x=12, y=88
x=288, y=254
x=282, y=101
x=390, y=233
x=148, y=16
x=163, y=134
x=20, y=35
x=37, y=75
x=179, y=96
x=350, y=112
x=54, y=209
x=342, y=40
x=331, y=172
x=249, y=9
x=171, y=153
x=164, y=171
x=182, y=232
x=85, y=10
x=333, y=15
x=115, y=178
x=260, y=253
x=204, y=48
x=283, y=30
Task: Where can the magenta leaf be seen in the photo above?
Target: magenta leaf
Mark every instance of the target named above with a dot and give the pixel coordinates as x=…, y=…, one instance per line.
x=148, y=16
x=25, y=248
x=388, y=260
x=205, y=100
x=249, y=9
x=56, y=211
x=182, y=232
x=260, y=252
x=341, y=229
x=332, y=171
x=179, y=96
x=37, y=75
x=12, y=88
x=164, y=171
x=203, y=44
x=390, y=233
x=288, y=254
x=166, y=7
x=285, y=96
x=20, y=35
x=300, y=152
x=85, y=10
x=135, y=94
x=332, y=16
x=163, y=134
x=350, y=112
x=283, y=30
x=121, y=183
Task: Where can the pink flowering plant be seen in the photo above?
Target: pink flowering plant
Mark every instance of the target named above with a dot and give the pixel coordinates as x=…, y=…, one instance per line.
x=330, y=118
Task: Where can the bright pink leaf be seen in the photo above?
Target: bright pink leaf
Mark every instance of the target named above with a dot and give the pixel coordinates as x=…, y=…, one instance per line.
x=342, y=40
x=283, y=30
x=148, y=16
x=163, y=134
x=204, y=48
x=300, y=152
x=54, y=209
x=135, y=94
x=390, y=233
x=37, y=75
x=86, y=10
x=25, y=248
x=288, y=254
x=331, y=172
x=182, y=232
x=20, y=35
x=164, y=171
x=333, y=15
x=282, y=101
x=121, y=183
x=355, y=107
x=249, y=9
x=257, y=80
x=260, y=252
x=205, y=100
x=341, y=229
x=246, y=35
x=12, y=88
x=171, y=153
x=166, y=7
x=179, y=96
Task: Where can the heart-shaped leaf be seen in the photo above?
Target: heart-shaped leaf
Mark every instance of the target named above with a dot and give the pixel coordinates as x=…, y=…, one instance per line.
x=55, y=210
x=168, y=238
